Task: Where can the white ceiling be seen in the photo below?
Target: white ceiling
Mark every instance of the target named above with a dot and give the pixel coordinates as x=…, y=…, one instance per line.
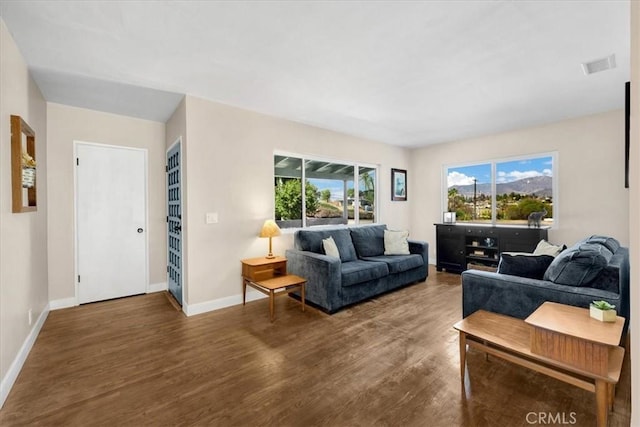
x=408, y=73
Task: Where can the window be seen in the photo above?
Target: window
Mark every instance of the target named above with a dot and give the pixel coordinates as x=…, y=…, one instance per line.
x=332, y=191
x=469, y=192
x=502, y=192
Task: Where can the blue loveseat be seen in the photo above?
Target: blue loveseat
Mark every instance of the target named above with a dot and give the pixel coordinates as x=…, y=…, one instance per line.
x=361, y=272
x=596, y=268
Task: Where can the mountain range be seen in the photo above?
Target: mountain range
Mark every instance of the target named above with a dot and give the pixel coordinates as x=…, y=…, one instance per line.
x=541, y=186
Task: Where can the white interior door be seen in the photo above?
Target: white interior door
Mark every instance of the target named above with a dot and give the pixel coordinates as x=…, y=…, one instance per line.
x=111, y=216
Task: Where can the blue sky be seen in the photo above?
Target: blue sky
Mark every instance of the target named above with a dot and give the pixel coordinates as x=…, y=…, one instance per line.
x=336, y=186
x=505, y=171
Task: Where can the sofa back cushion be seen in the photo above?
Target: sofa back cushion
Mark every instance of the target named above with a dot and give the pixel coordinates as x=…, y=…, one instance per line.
x=578, y=265
x=311, y=240
x=609, y=242
x=368, y=240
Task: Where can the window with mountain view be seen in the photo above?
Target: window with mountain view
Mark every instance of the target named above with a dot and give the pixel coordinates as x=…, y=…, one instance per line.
x=334, y=192
x=469, y=193
x=502, y=192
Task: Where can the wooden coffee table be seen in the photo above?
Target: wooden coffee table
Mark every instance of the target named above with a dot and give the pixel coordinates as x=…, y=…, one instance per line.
x=556, y=340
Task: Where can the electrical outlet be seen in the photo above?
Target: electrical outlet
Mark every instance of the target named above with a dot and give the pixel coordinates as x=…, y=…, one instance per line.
x=30, y=317
x=211, y=218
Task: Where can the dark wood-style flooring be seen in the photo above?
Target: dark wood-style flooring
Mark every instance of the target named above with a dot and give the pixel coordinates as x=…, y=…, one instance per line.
x=391, y=361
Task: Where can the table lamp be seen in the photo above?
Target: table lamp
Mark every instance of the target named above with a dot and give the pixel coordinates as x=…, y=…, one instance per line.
x=270, y=229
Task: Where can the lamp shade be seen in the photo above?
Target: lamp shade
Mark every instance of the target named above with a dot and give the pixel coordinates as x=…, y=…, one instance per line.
x=270, y=229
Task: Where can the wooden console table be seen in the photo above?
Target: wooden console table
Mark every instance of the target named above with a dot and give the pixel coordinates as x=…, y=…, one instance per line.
x=556, y=340
x=269, y=276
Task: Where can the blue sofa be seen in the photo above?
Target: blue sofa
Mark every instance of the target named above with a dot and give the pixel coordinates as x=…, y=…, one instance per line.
x=596, y=268
x=361, y=272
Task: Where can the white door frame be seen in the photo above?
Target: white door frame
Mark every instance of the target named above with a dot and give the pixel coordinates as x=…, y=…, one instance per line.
x=75, y=209
x=183, y=220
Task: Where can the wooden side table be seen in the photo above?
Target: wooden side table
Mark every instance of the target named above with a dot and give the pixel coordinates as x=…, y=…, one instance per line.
x=269, y=276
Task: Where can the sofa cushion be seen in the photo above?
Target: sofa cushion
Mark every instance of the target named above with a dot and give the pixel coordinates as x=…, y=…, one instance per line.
x=609, y=242
x=368, y=240
x=531, y=266
x=395, y=242
x=354, y=272
x=399, y=263
x=311, y=240
x=330, y=247
x=578, y=265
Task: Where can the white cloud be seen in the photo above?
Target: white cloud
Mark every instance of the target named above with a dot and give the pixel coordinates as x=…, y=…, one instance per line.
x=516, y=175
x=457, y=178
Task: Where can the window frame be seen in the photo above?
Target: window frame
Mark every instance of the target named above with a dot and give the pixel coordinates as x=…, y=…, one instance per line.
x=494, y=162
x=356, y=185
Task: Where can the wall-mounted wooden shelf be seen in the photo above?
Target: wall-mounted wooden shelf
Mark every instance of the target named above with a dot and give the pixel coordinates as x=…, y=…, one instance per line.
x=23, y=140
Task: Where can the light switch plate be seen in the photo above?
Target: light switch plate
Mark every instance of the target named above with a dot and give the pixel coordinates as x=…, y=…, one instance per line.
x=211, y=218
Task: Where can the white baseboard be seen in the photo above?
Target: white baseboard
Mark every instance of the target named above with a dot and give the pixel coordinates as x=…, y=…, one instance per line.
x=14, y=370
x=217, y=304
x=57, y=304
x=157, y=287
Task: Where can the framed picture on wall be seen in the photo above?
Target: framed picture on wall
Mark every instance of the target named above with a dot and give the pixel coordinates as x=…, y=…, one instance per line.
x=398, y=185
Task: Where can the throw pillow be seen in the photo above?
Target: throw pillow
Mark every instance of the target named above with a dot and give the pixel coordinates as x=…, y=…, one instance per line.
x=546, y=248
x=395, y=242
x=524, y=265
x=330, y=247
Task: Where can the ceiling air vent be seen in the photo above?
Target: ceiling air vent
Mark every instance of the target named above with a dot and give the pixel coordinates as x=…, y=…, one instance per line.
x=599, y=65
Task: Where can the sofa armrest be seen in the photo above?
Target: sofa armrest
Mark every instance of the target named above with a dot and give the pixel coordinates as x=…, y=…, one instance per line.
x=323, y=274
x=519, y=296
x=421, y=248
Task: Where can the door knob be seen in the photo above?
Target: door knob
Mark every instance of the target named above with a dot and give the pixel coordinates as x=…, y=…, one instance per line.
x=140, y=230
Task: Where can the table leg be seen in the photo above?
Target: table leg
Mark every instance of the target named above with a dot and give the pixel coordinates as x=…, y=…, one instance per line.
x=244, y=291
x=602, y=402
x=271, y=298
x=463, y=354
x=302, y=294
x=612, y=395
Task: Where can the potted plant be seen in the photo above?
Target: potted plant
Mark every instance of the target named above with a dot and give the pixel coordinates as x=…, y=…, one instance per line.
x=602, y=311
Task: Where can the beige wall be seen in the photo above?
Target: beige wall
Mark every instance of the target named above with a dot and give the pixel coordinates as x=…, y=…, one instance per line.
x=229, y=170
x=23, y=246
x=591, y=194
x=66, y=124
x=634, y=212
